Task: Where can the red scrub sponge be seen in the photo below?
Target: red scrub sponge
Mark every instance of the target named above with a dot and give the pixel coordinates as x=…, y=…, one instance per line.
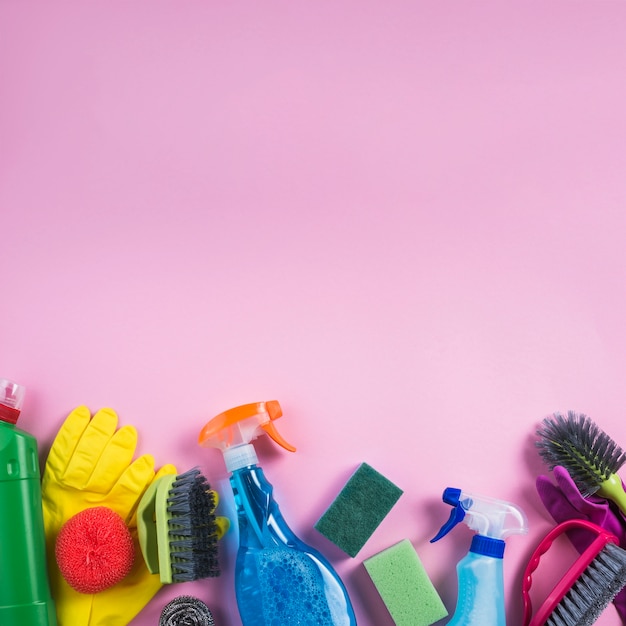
x=94, y=550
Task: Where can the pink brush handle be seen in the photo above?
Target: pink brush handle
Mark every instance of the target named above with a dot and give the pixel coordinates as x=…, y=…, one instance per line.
x=570, y=577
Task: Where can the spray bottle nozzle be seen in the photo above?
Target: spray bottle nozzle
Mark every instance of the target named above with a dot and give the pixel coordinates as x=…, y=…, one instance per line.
x=489, y=517
x=452, y=497
x=237, y=427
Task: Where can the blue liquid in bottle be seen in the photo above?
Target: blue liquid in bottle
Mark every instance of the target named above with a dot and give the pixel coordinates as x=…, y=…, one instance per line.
x=280, y=580
x=480, y=598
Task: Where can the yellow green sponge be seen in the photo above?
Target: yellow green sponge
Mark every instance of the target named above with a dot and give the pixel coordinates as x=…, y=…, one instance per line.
x=404, y=586
x=359, y=509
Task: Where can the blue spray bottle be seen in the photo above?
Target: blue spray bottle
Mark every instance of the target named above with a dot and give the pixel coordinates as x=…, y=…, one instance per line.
x=480, y=598
x=279, y=580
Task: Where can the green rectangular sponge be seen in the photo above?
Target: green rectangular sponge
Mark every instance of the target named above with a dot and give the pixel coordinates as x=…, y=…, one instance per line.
x=404, y=586
x=359, y=509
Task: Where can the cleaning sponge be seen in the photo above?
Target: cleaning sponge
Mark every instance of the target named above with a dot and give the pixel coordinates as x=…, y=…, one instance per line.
x=404, y=586
x=94, y=550
x=359, y=509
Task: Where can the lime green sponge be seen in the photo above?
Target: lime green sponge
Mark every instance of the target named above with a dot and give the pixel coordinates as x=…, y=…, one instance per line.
x=359, y=509
x=404, y=586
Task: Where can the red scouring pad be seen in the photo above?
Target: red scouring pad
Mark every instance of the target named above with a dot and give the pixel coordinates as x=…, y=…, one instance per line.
x=94, y=550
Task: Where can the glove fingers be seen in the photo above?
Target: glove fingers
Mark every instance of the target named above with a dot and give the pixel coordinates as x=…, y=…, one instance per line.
x=66, y=440
x=166, y=470
x=594, y=507
x=115, y=458
x=570, y=490
x=552, y=497
x=125, y=495
x=90, y=447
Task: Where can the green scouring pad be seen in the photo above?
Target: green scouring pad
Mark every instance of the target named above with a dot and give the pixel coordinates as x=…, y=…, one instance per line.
x=404, y=586
x=358, y=509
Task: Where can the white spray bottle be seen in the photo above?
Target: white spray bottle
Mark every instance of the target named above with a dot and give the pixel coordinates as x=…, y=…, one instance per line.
x=480, y=598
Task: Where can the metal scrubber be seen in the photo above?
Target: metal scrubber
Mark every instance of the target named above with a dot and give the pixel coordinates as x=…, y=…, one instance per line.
x=186, y=611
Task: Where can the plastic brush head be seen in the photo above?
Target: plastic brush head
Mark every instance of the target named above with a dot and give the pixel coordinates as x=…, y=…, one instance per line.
x=603, y=579
x=576, y=443
x=193, y=530
x=586, y=588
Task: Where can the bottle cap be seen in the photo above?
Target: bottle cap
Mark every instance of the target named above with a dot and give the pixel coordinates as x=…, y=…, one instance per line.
x=11, y=400
x=488, y=546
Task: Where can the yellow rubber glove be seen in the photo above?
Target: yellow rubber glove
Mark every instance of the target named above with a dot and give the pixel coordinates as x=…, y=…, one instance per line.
x=91, y=464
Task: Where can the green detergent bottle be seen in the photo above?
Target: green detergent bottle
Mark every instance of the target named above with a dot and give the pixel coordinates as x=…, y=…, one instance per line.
x=25, y=598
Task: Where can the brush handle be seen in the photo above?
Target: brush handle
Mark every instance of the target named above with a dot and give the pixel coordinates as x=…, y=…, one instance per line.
x=613, y=489
x=570, y=577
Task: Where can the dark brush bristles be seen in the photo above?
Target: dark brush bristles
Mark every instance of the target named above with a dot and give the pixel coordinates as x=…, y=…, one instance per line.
x=577, y=443
x=596, y=587
x=193, y=528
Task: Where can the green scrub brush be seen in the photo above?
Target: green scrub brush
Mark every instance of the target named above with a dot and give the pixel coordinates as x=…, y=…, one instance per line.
x=178, y=530
x=591, y=457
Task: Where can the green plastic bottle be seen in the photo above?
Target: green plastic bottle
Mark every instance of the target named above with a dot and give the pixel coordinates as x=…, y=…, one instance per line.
x=25, y=598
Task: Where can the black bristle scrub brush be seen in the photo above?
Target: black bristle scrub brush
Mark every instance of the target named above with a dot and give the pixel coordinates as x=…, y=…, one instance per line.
x=177, y=528
x=590, y=456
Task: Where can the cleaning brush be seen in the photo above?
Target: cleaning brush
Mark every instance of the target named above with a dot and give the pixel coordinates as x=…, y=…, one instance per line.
x=591, y=457
x=588, y=586
x=177, y=527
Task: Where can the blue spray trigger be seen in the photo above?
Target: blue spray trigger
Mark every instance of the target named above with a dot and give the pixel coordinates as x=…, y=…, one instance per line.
x=451, y=496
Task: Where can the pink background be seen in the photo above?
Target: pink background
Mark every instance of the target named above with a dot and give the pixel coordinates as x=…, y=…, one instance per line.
x=405, y=221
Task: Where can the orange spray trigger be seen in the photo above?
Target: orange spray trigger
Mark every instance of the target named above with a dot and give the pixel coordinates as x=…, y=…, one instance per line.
x=270, y=429
x=272, y=408
x=240, y=425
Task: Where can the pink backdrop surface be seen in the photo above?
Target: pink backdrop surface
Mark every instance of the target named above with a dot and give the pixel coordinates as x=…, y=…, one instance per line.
x=405, y=221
